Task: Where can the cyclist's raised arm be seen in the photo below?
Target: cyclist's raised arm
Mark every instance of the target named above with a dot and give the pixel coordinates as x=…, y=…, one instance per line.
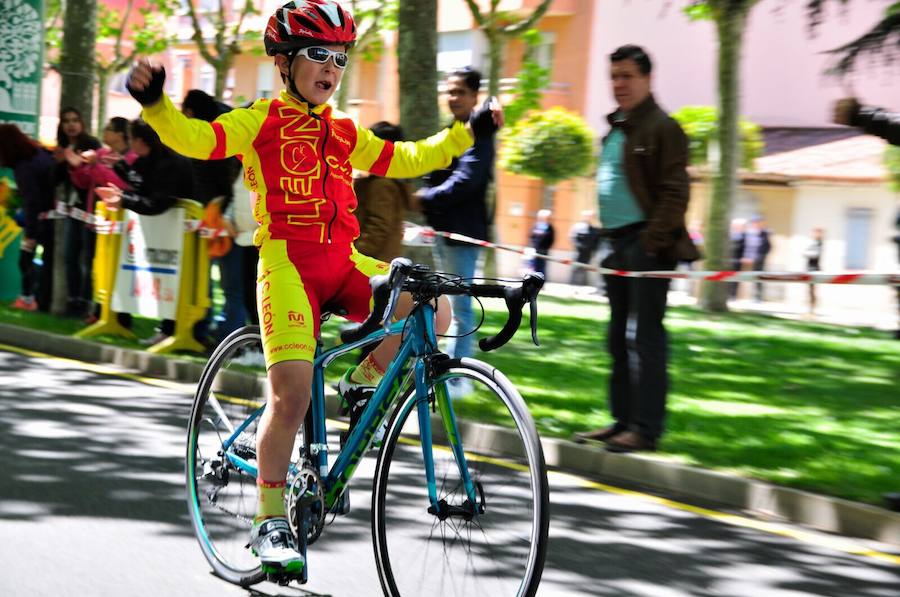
x=226, y=136
x=408, y=159
x=229, y=134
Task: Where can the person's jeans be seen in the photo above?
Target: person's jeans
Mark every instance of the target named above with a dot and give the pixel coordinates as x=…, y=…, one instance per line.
x=460, y=260
x=79, y=249
x=759, y=265
x=637, y=339
x=231, y=278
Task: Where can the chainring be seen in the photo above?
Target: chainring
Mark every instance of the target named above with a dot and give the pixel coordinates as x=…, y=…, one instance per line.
x=304, y=501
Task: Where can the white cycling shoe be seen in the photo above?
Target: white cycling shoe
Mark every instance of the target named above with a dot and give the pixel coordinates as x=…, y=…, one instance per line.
x=273, y=542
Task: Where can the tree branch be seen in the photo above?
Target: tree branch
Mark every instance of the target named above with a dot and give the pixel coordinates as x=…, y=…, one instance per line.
x=876, y=41
x=526, y=24
x=476, y=12
x=198, y=33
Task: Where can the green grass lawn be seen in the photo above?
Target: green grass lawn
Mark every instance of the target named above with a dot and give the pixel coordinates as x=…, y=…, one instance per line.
x=807, y=405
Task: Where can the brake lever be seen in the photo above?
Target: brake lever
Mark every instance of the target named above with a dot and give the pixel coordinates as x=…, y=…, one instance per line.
x=532, y=319
x=400, y=268
x=389, y=309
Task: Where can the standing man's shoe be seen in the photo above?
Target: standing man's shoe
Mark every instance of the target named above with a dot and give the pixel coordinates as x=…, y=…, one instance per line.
x=630, y=441
x=598, y=435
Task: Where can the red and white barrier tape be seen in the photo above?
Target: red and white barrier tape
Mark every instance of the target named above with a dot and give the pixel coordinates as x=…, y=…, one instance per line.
x=426, y=236
x=102, y=225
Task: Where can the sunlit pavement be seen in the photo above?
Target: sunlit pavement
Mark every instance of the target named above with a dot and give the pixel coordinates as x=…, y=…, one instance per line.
x=92, y=503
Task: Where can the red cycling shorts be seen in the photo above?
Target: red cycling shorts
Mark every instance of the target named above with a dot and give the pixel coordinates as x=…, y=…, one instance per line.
x=295, y=278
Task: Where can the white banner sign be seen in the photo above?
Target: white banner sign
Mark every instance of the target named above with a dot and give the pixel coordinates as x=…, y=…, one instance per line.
x=149, y=265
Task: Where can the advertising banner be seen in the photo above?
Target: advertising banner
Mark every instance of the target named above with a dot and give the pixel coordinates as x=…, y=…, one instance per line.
x=149, y=270
x=21, y=63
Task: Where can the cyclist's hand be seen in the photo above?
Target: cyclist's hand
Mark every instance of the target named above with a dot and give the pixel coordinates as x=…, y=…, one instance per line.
x=845, y=110
x=485, y=121
x=145, y=82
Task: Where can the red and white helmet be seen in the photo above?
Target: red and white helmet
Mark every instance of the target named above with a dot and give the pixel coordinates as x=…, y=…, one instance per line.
x=302, y=23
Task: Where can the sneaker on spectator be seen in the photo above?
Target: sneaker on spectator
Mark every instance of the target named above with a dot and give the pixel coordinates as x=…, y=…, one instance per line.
x=25, y=303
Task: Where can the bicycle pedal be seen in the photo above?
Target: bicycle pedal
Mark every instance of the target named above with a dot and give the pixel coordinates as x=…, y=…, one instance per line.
x=283, y=579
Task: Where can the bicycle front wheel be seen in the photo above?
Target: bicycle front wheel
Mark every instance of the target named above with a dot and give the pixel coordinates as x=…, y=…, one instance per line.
x=221, y=495
x=495, y=546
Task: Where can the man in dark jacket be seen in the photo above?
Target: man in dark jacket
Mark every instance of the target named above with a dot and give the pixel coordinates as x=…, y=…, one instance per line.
x=642, y=190
x=454, y=201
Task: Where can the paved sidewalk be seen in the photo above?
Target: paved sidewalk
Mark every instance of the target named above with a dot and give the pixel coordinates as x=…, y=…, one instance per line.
x=655, y=471
x=881, y=320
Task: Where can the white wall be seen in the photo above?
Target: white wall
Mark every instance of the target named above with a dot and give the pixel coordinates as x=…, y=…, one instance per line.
x=826, y=206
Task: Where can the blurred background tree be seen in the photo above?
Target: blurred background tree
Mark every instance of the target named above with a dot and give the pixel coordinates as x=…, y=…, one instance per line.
x=417, y=67
x=551, y=145
x=144, y=37
x=530, y=82
x=499, y=27
x=371, y=21
x=219, y=42
x=701, y=125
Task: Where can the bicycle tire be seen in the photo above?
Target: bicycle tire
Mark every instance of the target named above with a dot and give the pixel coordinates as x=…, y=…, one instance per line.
x=496, y=461
x=222, y=499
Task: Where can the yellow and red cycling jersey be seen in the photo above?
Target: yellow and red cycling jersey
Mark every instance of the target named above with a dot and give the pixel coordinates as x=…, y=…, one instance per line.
x=299, y=164
x=299, y=161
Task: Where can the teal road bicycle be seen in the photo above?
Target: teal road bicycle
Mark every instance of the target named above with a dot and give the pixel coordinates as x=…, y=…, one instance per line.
x=457, y=508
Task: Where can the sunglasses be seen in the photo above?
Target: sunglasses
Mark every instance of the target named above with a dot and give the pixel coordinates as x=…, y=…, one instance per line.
x=321, y=55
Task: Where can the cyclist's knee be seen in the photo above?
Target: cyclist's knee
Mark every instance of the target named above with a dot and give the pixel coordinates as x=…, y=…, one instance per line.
x=290, y=389
x=444, y=316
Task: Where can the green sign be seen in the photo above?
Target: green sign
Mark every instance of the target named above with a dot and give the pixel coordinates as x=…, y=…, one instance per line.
x=21, y=63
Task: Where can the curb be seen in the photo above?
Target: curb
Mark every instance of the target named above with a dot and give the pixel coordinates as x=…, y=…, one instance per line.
x=818, y=511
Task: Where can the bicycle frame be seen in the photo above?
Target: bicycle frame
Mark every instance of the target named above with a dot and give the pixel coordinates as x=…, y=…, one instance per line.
x=419, y=342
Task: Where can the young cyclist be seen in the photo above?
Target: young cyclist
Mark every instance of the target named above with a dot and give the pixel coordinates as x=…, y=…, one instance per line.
x=298, y=155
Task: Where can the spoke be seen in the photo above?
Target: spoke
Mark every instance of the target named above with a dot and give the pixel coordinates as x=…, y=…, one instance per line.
x=214, y=402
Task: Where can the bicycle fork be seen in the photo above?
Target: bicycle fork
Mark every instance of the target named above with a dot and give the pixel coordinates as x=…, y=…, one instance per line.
x=442, y=403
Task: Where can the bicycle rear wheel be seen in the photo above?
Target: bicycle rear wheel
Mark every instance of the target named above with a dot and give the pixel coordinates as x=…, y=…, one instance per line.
x=222, y=497
x=498, y=549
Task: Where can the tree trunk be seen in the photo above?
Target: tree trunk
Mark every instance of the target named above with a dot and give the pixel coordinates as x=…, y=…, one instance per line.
x=76, y=63
x=102, y=93
x=730, y=27
x=417, y=65
x=222, y=66
x=495, y=53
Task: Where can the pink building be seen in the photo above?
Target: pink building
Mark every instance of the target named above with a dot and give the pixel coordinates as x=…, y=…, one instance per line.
x=782, y=76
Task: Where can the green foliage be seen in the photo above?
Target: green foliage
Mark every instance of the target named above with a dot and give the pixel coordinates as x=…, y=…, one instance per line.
x=701, y=124
x=532, y=79
x=698, y=11
x=892, y=162
x=552, y=145
x=371, y=20
x=53, y=12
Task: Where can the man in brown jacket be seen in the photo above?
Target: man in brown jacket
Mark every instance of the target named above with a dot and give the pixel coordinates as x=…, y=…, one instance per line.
x=382, y=205
x=642, y=190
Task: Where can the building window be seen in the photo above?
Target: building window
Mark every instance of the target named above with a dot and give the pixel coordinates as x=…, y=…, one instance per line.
x=175, y=83
x=458, y=49
x=859, y=228
x=202, y=7
x=265, y=80
x=544, y=51
x=207, y=79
